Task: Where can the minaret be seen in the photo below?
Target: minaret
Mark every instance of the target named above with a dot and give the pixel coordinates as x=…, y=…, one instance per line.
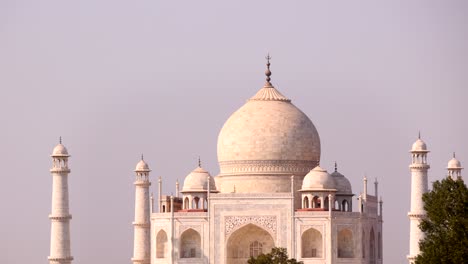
x=141, y=244
x=419, y=168
x=364, y=181
x=454, y=168
x=60, y=252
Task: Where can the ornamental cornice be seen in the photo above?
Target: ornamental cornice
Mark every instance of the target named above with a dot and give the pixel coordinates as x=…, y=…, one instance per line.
x=266, y=166
x=142, y=183
x=60, y=170
x=144, y=225
x=233, y=223
x=144, y=261
x=416, y=215
x=188, y=214
x=420, y=166
x=69, y=258
x=60, y=217
x=250, y=195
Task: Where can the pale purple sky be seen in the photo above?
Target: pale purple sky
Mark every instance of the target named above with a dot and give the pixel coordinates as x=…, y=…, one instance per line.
x=119, y=78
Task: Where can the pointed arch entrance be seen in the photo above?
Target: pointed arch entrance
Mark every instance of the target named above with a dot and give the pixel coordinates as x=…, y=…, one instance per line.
x=248, y=241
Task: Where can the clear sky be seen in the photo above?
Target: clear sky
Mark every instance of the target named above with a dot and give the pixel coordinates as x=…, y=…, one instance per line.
x=119, y=78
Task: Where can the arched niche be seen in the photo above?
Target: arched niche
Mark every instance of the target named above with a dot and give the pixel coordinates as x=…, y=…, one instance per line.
x=161, y=244
x=247, y=241
x=190, y=244
x=372, y=246
x=305, y=204
x=345, y=206
x=312, y=244
x=345, y=244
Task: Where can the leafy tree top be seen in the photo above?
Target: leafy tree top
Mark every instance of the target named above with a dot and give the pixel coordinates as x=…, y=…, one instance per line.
x=276, y=256
x=446, y=223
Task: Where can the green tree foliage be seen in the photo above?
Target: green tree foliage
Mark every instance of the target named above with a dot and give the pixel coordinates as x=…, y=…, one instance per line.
x=276, y=256
x=446, y=224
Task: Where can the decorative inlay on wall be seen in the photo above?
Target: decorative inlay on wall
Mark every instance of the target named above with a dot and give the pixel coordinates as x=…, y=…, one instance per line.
x=235, y=222
x=307, y=227
x=184, y=228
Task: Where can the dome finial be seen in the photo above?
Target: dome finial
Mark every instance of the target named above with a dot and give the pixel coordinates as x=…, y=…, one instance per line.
x=419, y=134
x=60, y=140
x=199, y=162
x=336, y=167
x=454, y=154
x=142, y=156
x=268, y=72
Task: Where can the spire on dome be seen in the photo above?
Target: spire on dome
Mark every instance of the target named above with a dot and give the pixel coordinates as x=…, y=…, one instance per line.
x=268, y=72
x=60, y=140
x=142, y=157
x=454, y=155
x=199, y=162
x=336, y=167
x=419, y=134
x=268, y=92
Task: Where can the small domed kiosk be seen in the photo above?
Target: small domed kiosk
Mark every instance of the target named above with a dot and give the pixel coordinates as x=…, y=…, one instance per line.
x=195, y=190
x=317, y=187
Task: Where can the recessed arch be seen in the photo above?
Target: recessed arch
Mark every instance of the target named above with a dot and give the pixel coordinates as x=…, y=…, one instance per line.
x=196, y=203
x=326, y=202
x=190, y=244
x=345, y=205
x=312, y=244
x=363, y=244
x=249, y=240
x=379, y=245
x=345, y=243
x=161, y=244
x=316, y=202
x=305, y=204
x=186, y=203
x=372, y=246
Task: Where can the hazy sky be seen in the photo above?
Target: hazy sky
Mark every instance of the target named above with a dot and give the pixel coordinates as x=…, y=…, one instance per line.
x=119, y=78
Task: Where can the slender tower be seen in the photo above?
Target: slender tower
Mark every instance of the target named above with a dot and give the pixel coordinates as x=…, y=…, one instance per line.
x=60, y=252
x=454, y=168
x=419, y=168
x=141, y=244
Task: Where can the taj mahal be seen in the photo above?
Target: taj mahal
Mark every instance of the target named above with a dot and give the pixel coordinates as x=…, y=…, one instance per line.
x=271, y=191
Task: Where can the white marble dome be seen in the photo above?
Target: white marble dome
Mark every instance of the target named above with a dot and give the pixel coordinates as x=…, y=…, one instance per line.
x=268, y=135
x=342, y=184
x=318, y=179
x=419, y=145
x=454, y=164
x=197, y=181
x=142, y=166
x=60, y=150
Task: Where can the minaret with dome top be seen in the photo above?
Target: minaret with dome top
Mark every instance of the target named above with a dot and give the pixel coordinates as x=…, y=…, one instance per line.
x=141, y=246
x=454, y=168
x=60, y=251
x=419, y=168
